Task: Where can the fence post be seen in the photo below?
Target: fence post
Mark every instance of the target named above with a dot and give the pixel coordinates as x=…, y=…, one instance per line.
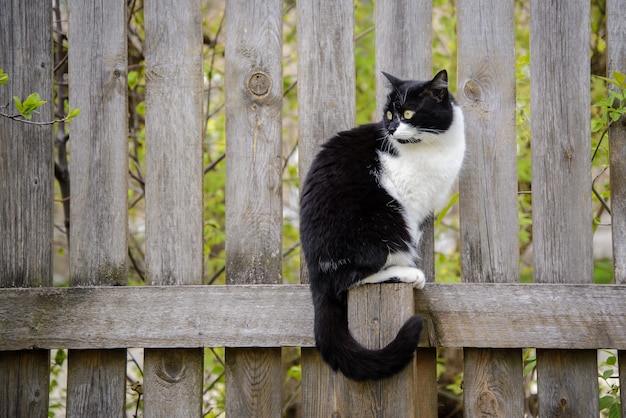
x=404, y=49
x=493, y=381
x=254, y=93
x=26, y=191
x=376, y=313
x=561, y=171
x=616, y=51
x=326, y=105
x=173, y=379
x=98, y=208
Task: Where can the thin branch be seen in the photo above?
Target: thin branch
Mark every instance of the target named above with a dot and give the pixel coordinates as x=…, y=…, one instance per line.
x=20, y=118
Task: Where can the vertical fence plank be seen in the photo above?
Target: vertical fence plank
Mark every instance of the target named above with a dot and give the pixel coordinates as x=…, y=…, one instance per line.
x=26, y=191
x=174, y=208
x=98, y=209
x=616, y=61
x=376, y=313
x=493, y=384
x=616, y=54
x=326, y=105
x=561, y=164
x=253, y=188
x=403, y=48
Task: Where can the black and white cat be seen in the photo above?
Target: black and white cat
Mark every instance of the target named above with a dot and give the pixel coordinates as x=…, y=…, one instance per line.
x=364, y=202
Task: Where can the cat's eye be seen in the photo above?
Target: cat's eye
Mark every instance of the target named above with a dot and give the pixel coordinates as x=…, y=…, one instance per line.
x=408, y=114
x=389, y=115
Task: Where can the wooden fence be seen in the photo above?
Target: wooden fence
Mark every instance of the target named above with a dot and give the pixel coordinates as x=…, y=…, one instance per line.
x=491, y=315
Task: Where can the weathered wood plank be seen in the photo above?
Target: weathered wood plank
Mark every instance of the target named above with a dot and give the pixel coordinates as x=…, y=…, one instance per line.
x=456, y=315
x=375, y=314
x=174, y=182
x=493, y=383
x=561, y=170
x=99, y=167
x=326, y=105
x=616, y=61
x=253, y=187
x=403, y=48
x=26, y=190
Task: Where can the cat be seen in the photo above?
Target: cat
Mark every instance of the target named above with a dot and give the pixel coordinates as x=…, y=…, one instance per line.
x=364, y=202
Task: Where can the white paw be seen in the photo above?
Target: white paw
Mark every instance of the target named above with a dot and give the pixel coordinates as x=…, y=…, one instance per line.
x=398, y=274
x=413, y=275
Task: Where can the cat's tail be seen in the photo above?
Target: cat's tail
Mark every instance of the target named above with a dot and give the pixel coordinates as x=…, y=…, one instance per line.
x=341, y=351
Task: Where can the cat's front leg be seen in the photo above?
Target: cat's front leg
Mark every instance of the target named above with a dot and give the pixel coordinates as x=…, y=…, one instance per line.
x=401, y=274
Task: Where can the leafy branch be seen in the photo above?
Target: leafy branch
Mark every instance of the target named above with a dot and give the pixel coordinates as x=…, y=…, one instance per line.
x=612, y=109
x=29, y=106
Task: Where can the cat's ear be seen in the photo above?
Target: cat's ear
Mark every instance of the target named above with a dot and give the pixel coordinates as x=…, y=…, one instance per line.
x=393, y=80
x=439, y=84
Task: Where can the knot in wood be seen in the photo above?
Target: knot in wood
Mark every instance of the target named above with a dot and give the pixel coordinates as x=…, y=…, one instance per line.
x=488, y=404
x=472, y=91
x=259, y=84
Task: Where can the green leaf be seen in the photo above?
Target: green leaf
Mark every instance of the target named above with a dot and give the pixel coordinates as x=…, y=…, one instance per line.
x=611, y=360
x=615, y=411
x=607, y=374
x=295, y=372
x=445, y=210
x=528, y=368
x=133, y=79
x=619, y=77
x=60, y=357
x=4, y=77
x=28, y=106
x=73, y=113
x=606, y=401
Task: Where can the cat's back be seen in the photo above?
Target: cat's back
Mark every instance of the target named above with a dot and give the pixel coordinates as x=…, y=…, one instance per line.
x=346, y=160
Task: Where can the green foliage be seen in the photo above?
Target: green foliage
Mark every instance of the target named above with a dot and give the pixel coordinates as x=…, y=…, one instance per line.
x=610, y=405
x=29, y=106
x=612, y=106
x=4, y=77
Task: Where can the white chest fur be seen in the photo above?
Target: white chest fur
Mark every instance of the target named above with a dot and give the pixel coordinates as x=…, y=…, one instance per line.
x=421, y=175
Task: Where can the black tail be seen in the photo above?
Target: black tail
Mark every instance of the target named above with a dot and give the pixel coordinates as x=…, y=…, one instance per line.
x=341, y=351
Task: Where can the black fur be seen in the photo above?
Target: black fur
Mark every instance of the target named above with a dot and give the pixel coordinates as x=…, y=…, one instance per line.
x=346, y=215
x=349, y=225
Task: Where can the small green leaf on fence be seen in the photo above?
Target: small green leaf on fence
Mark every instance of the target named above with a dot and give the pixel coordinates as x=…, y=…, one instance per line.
x=612, y=360
x=28, y=106
x=607, y=374
x=606, y=402
x=615, y=411
x=73, y=113
x=4, y=77
x=445, y=210
x=619, y=77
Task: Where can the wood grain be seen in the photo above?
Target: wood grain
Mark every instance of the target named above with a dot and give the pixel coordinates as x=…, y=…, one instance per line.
x=456, y=315
x=561, y=204
x=253, y=187
x=403, y=44
x=493, y=384
x=616, y=61
x=174, y=190
x=26, y=190
x=98, y=208
x=375, y=314
x=403, y=48
x=326, y=105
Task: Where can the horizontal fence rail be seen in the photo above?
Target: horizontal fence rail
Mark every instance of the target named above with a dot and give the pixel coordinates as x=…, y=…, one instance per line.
x=457, y=315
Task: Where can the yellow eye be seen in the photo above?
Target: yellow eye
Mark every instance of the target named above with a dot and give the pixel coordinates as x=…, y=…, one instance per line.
x=408, y=114
x=389, y=115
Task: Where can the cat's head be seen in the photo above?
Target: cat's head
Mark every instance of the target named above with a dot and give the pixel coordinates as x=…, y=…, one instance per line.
x=418, y=110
